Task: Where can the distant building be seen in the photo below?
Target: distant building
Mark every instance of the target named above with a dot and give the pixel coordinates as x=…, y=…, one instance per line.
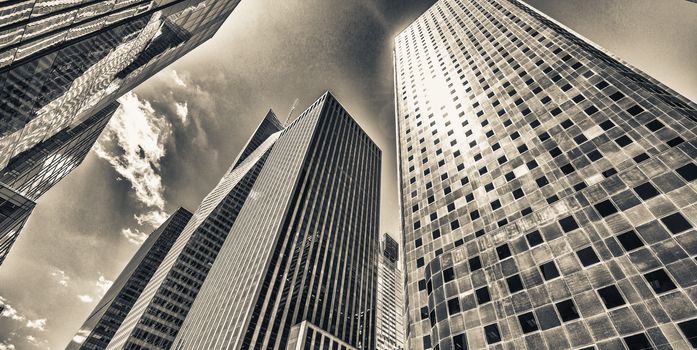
x=305, y=335
x=154, y=320
x=390, y=303
x=548, y=189
x=304, y=246
x=110, y=312
x=34, y=171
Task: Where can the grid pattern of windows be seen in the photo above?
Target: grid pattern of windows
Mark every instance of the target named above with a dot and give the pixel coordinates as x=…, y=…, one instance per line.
x=305, y=249
x=14, y=212
x=390, y=304
x=160, y=310
x=107, y=316
x=306, y=336
x=559, y=181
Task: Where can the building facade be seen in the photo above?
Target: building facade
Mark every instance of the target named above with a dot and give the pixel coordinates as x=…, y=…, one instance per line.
x=305, y=335
x=160, y=310
x=547, y=188
x=304, y=249
x=390, y=304
x=35, y=170
x=102, y=323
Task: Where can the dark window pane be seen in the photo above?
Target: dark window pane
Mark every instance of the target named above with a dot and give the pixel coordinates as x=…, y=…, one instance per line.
x=689, y=329
x=676, y=223
x=659, y=281
x=688, y=171
x=605, y=208
x=475, y=264
x=492, y=333
x=634, y=110
x=460, y=342
x=587, y=256
x=453, y=306
x=503, y=251
x=654, y=125
x=646, y=191
x=623, y=140
x=611, y=297
x=527, y=322
x=483, y=295
x=549, y=270
x=448, y=275
x=542, y=181
x=514, y=283
x=534, y=238
x=568, y=224
x=567, y=310
x=638, y=342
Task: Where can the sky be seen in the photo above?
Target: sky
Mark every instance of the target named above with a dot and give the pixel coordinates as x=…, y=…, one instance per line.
x=178, y=132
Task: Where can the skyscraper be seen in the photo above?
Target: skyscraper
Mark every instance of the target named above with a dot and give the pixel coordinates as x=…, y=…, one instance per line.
x=34, y=171
x=390, y=304
x=155, y=318
x=548, y=194
x=303, y=249
x=107, y=316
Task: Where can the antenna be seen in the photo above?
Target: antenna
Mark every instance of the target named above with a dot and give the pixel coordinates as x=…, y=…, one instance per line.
x=292, y=108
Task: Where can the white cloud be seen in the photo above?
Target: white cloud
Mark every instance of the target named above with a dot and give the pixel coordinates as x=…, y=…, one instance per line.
x=177, y=79
x=182, y=110
x=134, y=144
x=6, y=346
x=39, y=324
x=136, y=237
x=103, y=284
x=10, y=312
x=154, y=218
x=85, y=298
x=81, y=335
x=61, y=277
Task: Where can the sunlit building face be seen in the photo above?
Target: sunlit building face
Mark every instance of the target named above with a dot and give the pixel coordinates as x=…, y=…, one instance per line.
x=547, y=188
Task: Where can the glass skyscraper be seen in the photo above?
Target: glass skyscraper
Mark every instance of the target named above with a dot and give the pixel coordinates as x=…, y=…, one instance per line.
x=107, y=316
x=548, y=188
x=390, y=304
x=303, y=248
x=35, y=170
x=161, y=308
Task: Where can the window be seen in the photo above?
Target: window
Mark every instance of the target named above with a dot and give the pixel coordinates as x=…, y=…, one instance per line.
x=634, y=110
x=567, y=169
x=454, y=225
x=534, y=238
x=483, y=295
x=638, y=342
x=659, y=281
x=630, y=241
x=542, y=181
x=688, y=171
x=617, y=96
x=503, y=251
x=567, y=310
x=689, y=329
x=623, y=140
x=474, y=215
x=515, y=284
x=453, y=306
x=527, y=322
x=424, y=313
x=495, y=204
x=594, y=155
x=549, y=270
x=611, y=297
x=460, y=342
x=587, y=256
x=654, y=125
x=492, y=333
x=420, y=262
x=605, y=208
x=517, y=194
x=646, y=191
x=607, y=125
x=568, y=224
x=676, y=223
x=475, y=264
x=448, y=275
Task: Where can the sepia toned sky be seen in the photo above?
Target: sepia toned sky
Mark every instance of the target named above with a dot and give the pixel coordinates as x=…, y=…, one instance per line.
x=177, y=133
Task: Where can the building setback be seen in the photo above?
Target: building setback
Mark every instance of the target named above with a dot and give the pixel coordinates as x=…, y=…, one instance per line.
x=34, y=171
x=304, y=249
x=107, y=316
x=547, y=188
x=157, y=315
x=390, y=304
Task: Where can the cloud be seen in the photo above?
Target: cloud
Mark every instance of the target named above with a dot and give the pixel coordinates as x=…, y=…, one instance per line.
x=177, y=79
x=103, y=284
x=136, y=237
x=6, y=346
x=154, y=218
x=61, y=277
x=182, y=110
x=85, y=298
x=10, y=312
x=39, y=324
x=81, y=336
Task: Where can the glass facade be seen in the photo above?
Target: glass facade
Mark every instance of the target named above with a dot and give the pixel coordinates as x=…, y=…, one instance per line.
x=390, y=303
x=547, y=188
x=14, y=212
x=304, y=249
x=158, y=313
x=107, y=316
x=305, y=335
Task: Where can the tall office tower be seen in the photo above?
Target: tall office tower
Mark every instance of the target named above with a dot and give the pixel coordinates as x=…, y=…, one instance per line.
x=303, y=249
x=157, y=314
x=35, y=170
x=548, y=192
x=107, y=316
x=390, y=304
